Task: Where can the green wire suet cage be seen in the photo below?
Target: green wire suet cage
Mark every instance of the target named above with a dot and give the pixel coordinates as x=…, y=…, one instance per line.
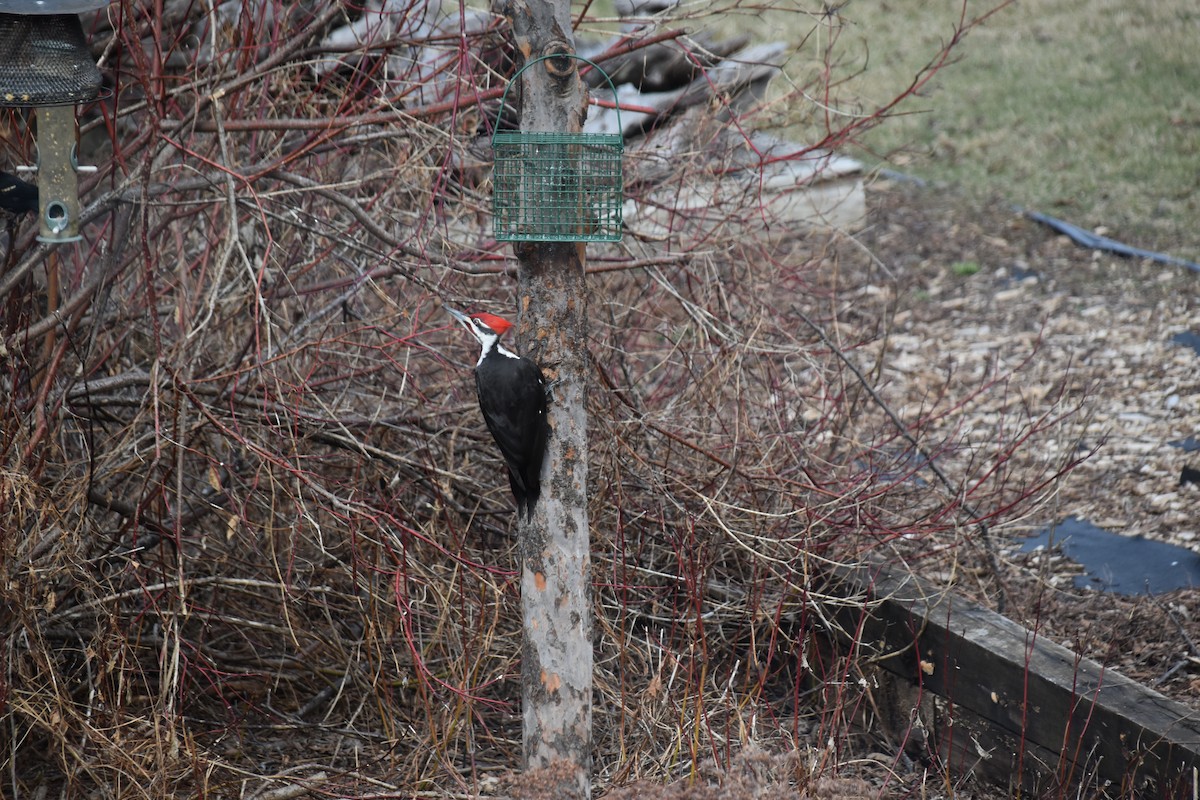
x=557, y=187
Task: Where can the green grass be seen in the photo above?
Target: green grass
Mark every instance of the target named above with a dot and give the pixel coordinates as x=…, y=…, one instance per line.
x=1086, y=109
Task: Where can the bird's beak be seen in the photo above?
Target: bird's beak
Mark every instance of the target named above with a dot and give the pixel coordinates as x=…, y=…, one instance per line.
x=458, y=315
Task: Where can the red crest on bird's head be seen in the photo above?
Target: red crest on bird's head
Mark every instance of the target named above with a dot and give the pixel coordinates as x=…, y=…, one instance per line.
x=499, y=324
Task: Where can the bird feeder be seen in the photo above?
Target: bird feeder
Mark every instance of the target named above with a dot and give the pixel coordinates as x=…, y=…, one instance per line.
x=557, y=187
x=45, y=63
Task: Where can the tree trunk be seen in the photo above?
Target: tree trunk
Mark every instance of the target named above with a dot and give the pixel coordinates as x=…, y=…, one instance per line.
x=554, y=546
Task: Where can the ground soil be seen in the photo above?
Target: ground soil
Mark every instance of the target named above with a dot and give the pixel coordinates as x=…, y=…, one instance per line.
x=982, y=289
x=1102, y=326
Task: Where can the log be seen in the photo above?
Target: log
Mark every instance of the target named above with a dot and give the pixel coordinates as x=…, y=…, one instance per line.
x=741, y=79
x=664, y=66
x=996, y=699
x=642, y=8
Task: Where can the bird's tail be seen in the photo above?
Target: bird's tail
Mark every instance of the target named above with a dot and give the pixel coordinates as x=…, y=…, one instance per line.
x=531, y=498
x=526, y=497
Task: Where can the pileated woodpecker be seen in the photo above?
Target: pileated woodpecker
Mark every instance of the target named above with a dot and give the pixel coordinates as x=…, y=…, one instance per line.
x=512, y=397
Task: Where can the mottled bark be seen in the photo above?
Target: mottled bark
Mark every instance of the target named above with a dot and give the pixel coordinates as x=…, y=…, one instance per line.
x=554, y=545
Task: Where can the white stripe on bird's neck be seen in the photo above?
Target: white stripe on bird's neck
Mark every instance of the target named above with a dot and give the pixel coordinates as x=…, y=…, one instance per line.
x=491, y=343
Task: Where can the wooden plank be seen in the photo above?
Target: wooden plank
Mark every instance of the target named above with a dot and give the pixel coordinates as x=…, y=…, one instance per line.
x=1013, y=703
x=695, y=211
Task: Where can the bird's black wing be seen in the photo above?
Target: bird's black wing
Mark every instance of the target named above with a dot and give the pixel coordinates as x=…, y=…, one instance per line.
x=512, y=397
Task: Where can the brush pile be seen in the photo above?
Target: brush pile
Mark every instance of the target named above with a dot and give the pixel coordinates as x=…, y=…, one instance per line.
x=254, y=539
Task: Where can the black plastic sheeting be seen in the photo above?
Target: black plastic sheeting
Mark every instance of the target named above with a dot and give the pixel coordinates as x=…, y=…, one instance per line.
x=1127, y=565
x=1086, y=238
x=1189, y=445
x=1187, y=339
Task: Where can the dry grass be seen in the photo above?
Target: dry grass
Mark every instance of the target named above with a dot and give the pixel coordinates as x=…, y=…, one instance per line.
x=254, y=538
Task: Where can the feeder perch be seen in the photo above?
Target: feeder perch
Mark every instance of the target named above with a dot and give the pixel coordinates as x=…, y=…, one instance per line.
x=557, y=187
x=45, y=63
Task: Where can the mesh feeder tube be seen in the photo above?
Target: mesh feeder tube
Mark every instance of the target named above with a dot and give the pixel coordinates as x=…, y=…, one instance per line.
x=45, y=64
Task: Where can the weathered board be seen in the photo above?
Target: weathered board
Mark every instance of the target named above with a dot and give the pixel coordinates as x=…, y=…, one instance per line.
x=992, y=697
x=818, y=190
